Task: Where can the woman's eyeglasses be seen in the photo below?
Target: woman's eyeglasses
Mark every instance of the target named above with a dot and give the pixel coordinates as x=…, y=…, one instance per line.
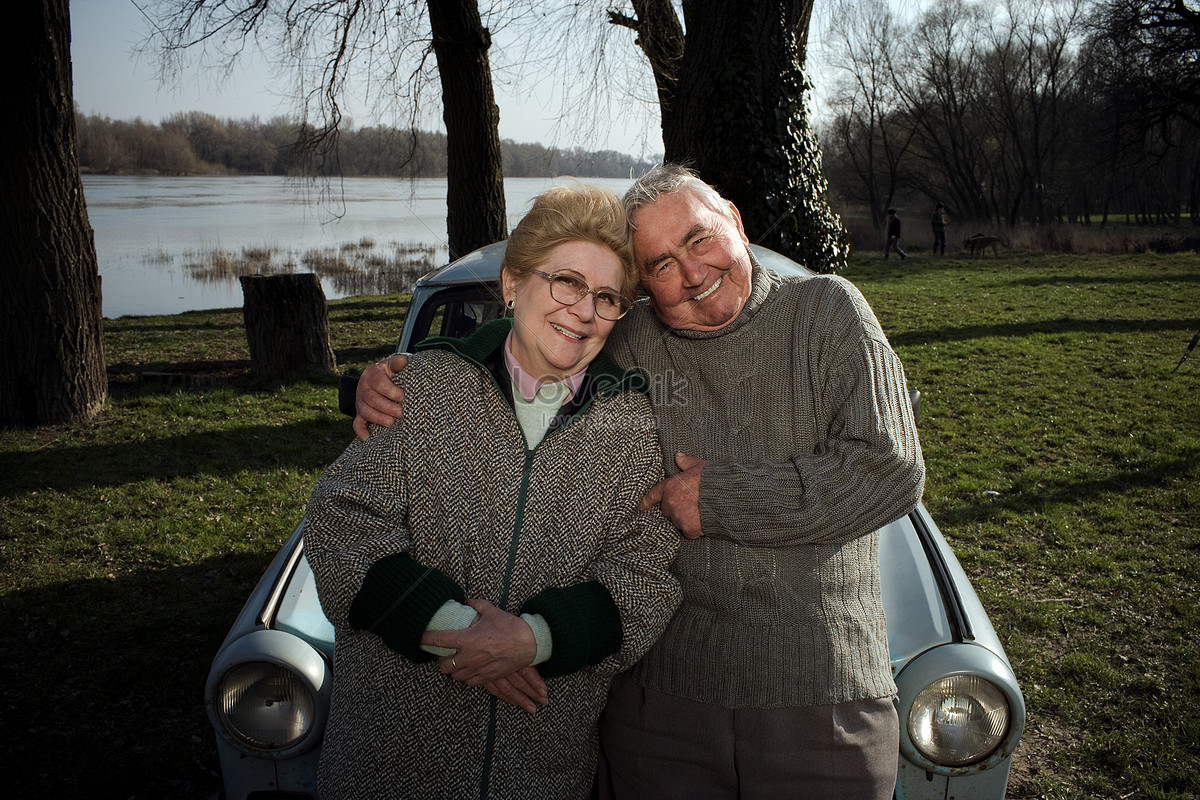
x=565, y=288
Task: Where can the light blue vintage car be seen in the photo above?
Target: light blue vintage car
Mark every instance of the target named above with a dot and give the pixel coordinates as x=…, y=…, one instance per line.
x=961, y=710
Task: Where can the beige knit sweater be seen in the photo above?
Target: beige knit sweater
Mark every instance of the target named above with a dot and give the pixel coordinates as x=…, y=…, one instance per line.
x=801, y=407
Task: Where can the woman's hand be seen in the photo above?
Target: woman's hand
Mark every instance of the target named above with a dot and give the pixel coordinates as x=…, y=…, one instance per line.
x=495, y=646
x=523, y=689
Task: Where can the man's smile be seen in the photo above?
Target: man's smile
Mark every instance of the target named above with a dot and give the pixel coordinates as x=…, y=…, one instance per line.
x=710, y=289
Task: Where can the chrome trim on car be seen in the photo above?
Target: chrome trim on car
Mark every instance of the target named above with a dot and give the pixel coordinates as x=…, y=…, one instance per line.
x=267, y=615
x=955, y=609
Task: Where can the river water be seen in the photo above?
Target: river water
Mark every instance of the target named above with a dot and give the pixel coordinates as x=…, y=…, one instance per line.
x=167, y=245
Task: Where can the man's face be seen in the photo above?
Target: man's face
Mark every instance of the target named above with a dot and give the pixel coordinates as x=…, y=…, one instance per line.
x=693, y=262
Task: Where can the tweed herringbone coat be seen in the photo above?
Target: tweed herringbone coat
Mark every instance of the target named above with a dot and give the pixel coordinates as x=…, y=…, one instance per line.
x=448, y=503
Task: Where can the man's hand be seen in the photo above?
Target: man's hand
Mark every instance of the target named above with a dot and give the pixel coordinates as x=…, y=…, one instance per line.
x=495, y=646
x=523, y=689
x=679, y=496
x=377, y=399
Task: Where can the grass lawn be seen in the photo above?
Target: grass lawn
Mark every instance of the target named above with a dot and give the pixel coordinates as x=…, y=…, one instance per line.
x=1063, y=458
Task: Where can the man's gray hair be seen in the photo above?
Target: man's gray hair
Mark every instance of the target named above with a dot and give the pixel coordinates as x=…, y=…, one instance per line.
x=669, y=179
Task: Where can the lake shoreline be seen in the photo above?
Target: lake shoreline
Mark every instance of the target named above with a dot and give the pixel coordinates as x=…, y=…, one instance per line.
x=168, y=244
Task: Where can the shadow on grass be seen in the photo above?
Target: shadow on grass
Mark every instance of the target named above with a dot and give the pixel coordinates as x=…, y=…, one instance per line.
x=1044, y=327
x=893, y=269
x=232, y=368
x=385, y=303
x=381, y=313
x=179, y=323
x=1044, y=492
x=104, y=681
x=1085, y=280
x=365, y=355
x=308, y=445
x=239, y=369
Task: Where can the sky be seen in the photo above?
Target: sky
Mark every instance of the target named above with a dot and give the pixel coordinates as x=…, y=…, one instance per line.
x=112, y=80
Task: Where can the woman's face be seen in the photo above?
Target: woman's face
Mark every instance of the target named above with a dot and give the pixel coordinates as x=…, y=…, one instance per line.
x=552, y=341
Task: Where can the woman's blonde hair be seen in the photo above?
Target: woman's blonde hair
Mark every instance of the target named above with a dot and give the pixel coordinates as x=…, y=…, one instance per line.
x=574, y=212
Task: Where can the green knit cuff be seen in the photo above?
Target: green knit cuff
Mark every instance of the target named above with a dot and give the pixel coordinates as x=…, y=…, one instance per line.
x=398, y=598
x=584, y=622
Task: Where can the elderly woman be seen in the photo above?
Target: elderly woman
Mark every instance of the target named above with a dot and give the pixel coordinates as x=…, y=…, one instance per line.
x=497, y=525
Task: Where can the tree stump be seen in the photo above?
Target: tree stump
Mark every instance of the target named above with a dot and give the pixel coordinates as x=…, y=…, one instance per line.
x=287, y=326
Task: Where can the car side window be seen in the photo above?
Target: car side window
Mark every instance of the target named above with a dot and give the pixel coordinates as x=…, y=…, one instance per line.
x=456, y=316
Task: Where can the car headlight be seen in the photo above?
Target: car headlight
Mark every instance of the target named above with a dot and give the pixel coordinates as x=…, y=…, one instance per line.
x=268, y=694
x=958, y=720
x=265, y=706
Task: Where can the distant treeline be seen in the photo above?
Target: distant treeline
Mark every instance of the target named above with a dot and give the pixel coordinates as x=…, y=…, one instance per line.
x=1019, y=112
x=195, y=143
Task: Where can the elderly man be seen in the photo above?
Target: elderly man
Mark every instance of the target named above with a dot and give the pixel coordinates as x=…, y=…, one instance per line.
x=784, y=418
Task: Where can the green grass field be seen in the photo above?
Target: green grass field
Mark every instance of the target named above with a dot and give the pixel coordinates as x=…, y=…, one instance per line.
x=1063, y=457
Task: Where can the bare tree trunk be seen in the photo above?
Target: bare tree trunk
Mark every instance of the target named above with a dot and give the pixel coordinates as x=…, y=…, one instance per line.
x=52, y=362
x=661, y=38
x=475, y=181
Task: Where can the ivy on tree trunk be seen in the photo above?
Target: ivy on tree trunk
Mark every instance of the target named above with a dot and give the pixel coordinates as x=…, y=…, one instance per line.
x=734, y=108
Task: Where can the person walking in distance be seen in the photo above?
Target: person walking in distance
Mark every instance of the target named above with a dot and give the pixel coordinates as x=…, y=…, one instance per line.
x=893, y=235
x=938, y=221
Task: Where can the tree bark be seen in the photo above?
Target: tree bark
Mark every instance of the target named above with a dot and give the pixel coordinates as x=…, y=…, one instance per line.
x=476, y=213
x=287, y=326
x=738, y=114
x=660, y=36
x=52, y=366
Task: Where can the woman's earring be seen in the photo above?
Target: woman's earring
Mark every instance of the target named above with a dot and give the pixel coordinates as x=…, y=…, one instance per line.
x=510, y=304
